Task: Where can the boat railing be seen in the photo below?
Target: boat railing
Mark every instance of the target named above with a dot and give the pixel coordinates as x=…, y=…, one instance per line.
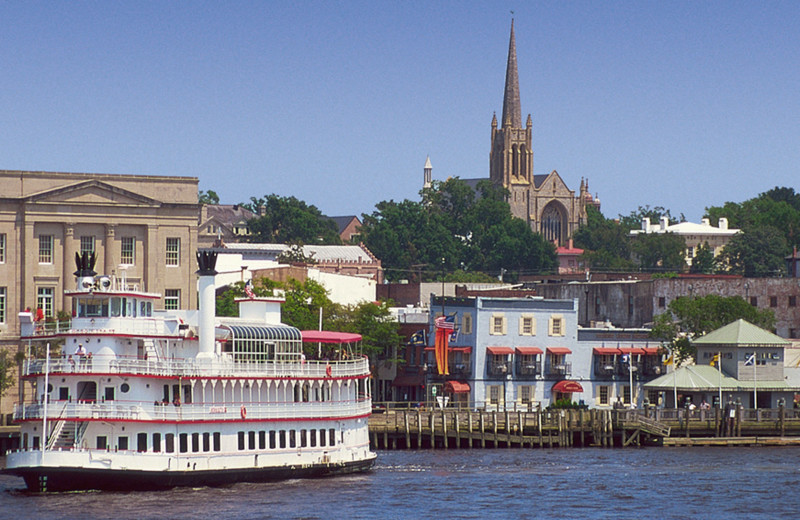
x=191, y=367
x=154, y=412
x=116, y=325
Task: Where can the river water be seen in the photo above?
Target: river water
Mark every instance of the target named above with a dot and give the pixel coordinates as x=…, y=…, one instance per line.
x=662, y=483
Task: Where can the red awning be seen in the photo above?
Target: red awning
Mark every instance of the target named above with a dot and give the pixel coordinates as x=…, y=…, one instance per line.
x=529, y=351
x=606, y=351
x=651, y=351
x=568, y=387
x=327, y=336
x=558, y=350
x=631, y=350
x=456, y=387
x=499, y=351
x=465, y=350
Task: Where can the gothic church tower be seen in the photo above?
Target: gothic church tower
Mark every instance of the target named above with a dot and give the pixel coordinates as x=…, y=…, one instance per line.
x=511, y=155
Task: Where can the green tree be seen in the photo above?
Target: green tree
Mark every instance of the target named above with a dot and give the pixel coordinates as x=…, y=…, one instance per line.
x=756, y=253
x=703, y=261
x=225, y=305
x=687, y=318
x=378, y=328
x=8, y=364
x=288, y=220
x=606, y=243
x=659, y=251
x=208, y=197
x=634, y=220
x=303, y=302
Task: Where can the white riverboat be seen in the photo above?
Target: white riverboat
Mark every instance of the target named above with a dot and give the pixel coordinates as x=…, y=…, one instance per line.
x=134, y=398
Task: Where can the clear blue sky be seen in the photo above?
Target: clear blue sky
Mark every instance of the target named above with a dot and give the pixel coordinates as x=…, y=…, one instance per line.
x=678, y=104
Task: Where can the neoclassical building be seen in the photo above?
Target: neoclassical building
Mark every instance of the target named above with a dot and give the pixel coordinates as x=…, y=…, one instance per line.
x=143, y=228
x=544, y=201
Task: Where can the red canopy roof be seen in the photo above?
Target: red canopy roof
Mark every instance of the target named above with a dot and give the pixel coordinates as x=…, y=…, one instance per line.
x=568, y=387
x=328, y=336
x=606, y=351
x=650, y=351
x=529, y=351
x=632, y=350
x=456, y=387
x=499, y=351
x=558, y=350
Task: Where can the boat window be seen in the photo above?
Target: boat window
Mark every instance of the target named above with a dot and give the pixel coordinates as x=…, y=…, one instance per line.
x=292, y=439
x=283, y=438
x=195, y=442
x=251, y=440
x=102, y=442
x=109, y=393
x=93, y=308
x=141, y=442
x=170, y=442
x=206, y=441
x=331, y=437
x=156, y=442
x=130, y=307
x=184, y=442
x=312, y=438
x=303, y=442
x=272, y=443
x=145, y=308
x=322, y=437
x=115, y=307
x=217, y=446
x=262, y=440
x=241, y=440
x=122, y=443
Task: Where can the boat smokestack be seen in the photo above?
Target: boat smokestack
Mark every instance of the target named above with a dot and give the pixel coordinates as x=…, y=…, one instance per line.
x=206, y=262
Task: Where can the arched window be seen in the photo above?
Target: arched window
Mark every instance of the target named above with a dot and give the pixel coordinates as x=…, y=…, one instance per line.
x=552, y=227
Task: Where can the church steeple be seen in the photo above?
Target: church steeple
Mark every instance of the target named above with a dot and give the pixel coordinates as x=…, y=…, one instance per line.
x=511, y=105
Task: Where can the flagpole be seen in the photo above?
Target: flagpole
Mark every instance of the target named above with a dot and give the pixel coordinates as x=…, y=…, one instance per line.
x=719, y=370
x=755, y=380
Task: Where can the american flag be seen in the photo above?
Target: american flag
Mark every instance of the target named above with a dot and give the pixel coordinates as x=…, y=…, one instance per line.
x=248, y=289
x=446, y=322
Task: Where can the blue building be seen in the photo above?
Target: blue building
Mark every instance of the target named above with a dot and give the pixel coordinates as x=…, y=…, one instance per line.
x=521, y=353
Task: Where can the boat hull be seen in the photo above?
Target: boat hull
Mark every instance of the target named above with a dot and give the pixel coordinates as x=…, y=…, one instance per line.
x=55, y=479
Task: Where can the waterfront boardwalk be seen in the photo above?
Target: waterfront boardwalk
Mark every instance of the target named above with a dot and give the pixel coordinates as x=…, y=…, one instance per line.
x=452, y=428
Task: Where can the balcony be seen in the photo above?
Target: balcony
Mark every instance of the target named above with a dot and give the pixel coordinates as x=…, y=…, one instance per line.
x=604, y=371
x=499, y=370
x=529, y=370
x=559, y=370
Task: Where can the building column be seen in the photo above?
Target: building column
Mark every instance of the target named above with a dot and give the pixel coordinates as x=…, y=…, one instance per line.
x=109, y=250
x=150, y=263
x=68, y=250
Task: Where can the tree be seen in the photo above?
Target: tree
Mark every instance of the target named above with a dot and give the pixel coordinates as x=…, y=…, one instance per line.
x=634, y=220
x=703, y=261
x=208, y=197
x=659, y=251
x=288, y=220
x=756, y=253
x=379, y=330
x=303, y=302
x=8, y=364
x=605, y=243
x=687, y=318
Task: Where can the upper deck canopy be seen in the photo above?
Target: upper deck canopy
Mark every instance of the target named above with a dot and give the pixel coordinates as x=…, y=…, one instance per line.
x=327, y=336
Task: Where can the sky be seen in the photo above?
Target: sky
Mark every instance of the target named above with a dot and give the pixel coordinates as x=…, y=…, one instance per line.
x=684, y=105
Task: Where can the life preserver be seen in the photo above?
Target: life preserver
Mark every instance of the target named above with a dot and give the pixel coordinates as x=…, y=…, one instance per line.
x=328, y=370
x=243, y=411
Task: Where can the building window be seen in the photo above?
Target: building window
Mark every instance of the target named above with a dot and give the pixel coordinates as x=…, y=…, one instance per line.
x=87, y=244
x=172, y=299
x=173, y=251
x=626, y=394
x=527, y=325
x=792, y=301
x=754, y=301
x=654, y=396
x=128, y=252
x=662, y=302
x=44, y=300
x=525, y=394
x=773, y=301
x=495, y=394
x=2, y=304
x=466, y=323
x=556, y=326
x=2, y=248
x=45, y=249
x=603, y=395
x=498, y=325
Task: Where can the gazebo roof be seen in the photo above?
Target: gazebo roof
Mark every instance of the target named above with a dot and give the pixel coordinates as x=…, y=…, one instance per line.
x=741, y=333
x=708, y=378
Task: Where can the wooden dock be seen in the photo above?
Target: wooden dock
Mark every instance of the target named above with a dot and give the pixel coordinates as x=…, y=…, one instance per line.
x=451, y=428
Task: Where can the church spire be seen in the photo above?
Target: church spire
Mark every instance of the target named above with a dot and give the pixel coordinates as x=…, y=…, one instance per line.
x=511, y=105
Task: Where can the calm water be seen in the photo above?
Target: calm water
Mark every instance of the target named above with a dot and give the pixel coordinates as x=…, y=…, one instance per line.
x=663, y=483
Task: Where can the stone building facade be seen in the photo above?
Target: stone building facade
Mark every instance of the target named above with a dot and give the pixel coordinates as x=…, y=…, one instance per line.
x=141, y=227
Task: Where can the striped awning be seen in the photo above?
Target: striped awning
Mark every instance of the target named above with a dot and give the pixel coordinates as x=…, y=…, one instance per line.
x=264, y=333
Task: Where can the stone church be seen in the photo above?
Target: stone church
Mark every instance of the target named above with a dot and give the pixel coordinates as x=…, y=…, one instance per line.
x=544, y=201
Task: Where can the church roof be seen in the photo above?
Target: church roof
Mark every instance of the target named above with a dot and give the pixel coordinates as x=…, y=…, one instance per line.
x=511, y=104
